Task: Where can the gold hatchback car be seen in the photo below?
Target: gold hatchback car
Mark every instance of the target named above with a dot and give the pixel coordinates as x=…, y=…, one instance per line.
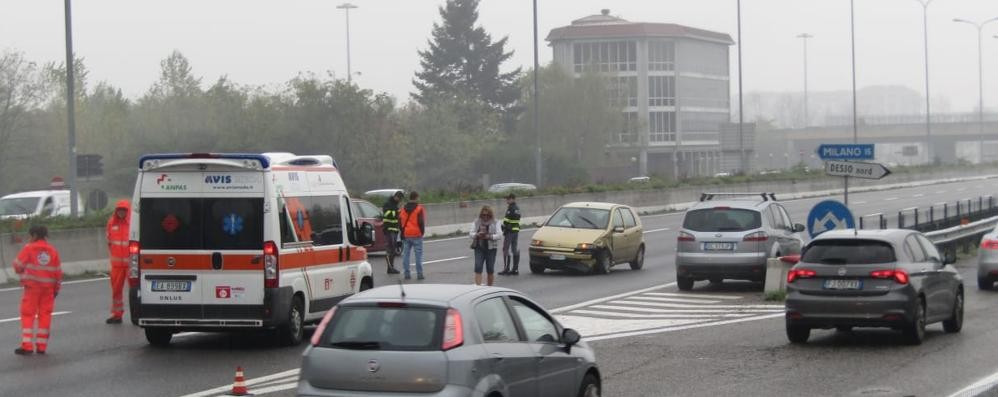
x=588, y=237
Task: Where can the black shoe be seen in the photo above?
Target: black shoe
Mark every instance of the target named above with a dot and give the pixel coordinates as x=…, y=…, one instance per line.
x=113, y=320
x=504, y=273
x=408, y=277
x=392, y=270
x=420, y=277
x=514, y=273
x=21, y=352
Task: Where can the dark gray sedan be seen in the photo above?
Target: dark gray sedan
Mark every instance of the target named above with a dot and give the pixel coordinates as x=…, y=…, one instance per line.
x=445, y=340
x=873, y=278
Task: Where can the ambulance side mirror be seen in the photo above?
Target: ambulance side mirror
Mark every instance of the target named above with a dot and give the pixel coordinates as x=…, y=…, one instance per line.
x=365, y=234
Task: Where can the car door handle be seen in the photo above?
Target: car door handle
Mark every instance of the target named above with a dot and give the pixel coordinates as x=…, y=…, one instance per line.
x=497, y=356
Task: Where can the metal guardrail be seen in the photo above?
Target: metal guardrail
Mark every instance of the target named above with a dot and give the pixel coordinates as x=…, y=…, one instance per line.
x=957, y=233
x=950, y=225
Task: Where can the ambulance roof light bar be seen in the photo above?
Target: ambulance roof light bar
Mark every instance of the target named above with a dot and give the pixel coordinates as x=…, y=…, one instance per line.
x=263, y=160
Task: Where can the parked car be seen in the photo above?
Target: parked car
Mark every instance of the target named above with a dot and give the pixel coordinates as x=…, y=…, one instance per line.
x=722, y=174
x=987, y=261
x=366, y=212
x=39, y=203
x=445, y=340
x=511, y=187
x=733, y=238
x=640, y=179
x=893, y=278
x=588, y=237
x=382, y=193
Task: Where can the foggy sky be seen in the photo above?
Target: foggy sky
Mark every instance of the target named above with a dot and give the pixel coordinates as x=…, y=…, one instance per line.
x=266, y=43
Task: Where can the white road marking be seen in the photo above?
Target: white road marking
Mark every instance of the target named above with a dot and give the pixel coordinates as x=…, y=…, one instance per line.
x=890, y=199
x=940, y=191
x=466, y=237
x=445, y=260
x=667, y=311
x=978, y=387
x=918, y=195
x=674, y=300
x=688, y=306
x=681, y=328
x=13, y=319
x=859, y=202
x=638, y=315
x=657, y=230
x=89, y=280
x=694, y=295
x=595, y=327
x=608, y=298
x=251, y=382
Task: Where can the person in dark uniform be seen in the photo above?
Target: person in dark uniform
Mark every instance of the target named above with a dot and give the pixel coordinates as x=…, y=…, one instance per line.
x=511, y=233
x=390, y=223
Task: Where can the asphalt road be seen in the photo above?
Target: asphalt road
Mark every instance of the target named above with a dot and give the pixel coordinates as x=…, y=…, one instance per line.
x=744, y=353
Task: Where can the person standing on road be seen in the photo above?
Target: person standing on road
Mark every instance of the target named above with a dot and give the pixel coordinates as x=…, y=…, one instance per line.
x=40, y=270
x=390, y=224
x=511, y=234
x=485, y=234
x=117, y=245
x=413, y=221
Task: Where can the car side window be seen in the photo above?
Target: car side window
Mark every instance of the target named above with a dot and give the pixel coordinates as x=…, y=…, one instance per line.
x=918, y=255
x=778, y=221
x=618, y=219
x=930, y=249
x=536, y=325
x=495, y=322
x=369, y=210
x=787, y=223
x=629, y=220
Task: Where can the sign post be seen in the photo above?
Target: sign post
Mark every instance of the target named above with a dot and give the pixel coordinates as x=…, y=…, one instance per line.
x=846, y=153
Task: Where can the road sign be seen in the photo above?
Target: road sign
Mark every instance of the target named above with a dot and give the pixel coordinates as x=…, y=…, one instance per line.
x=829, y=215
x=856, y=169
x=846, y=152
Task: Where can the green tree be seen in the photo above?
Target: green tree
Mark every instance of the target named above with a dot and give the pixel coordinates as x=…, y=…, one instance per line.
x=463, y=62
x=22, y=91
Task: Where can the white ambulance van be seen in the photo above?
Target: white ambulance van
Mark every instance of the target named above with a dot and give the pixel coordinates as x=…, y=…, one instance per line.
x=226, y=242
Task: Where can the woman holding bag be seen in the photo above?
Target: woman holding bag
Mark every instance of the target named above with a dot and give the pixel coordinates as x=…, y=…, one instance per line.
x=485, y=235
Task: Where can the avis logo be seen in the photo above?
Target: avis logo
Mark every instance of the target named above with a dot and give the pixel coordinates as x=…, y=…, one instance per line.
x=218, y=179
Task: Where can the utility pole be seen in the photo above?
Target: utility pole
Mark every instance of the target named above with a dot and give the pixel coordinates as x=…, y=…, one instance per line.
x=741, y=102
x=537, y=98
x=855, y=108
x=71, y=112
x=804, y=37
x=347, y=7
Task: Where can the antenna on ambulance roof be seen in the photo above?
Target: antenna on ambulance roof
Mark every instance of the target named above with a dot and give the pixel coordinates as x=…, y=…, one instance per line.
x=402, y=288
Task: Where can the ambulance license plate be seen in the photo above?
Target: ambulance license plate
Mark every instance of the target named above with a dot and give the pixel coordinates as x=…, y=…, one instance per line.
x=171, y=286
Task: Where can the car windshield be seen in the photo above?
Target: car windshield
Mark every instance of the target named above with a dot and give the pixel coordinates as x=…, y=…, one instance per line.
x=849, y=252
x=18, y=206
x=384, y=328
x=722, y=220
x=580, y=218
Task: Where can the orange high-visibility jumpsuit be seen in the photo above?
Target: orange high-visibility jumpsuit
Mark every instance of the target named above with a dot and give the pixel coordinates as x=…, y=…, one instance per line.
x=41, y=275
x=117, y=242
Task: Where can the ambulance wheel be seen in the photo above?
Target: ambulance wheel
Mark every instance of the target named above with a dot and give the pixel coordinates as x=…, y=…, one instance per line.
x=159, y=337
x=292, y=333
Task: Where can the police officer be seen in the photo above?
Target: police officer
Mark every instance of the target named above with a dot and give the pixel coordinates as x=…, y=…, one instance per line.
x=511, y=233
x=390, y=224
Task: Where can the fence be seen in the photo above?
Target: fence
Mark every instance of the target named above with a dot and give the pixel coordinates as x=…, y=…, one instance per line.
x=950, y=225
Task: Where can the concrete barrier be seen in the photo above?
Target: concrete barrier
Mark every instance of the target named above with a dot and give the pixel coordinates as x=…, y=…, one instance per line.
x=776, y=276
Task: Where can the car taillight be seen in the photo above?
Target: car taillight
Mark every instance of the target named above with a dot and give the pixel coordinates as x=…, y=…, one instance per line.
x=795, y=274
x=756, y=237
x=683, y=236
x=271, y=272
x=900, y=276
x=134, y=250
x=453, y=330
x=317, y=336
x=989, y=245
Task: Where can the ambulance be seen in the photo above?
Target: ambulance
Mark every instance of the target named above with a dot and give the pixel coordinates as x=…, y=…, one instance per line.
x=227, y=242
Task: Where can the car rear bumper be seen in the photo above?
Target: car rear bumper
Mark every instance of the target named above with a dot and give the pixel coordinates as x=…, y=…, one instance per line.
x=751, y=266
x=987, y=266
x=272, y=313
x=305, y=389
x=894, y=309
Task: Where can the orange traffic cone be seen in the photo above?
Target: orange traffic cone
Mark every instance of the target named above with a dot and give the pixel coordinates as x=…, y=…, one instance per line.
x=239, y=385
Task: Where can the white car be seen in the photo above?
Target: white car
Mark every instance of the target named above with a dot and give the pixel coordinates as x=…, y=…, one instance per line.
x=37, y=203
x=511, y=186
x=382, y=193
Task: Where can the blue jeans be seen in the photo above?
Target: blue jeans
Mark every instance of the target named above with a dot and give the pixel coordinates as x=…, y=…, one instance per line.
x=486, y=259
x=410, y=244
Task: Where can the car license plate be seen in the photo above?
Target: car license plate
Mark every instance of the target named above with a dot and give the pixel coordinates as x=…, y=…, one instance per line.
x=843, y=284
x=171, y=286
x=557, y=257
x=718, y=246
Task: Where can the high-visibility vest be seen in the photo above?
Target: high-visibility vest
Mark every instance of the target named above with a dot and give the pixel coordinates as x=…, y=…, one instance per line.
x=410, y=221
x=39, y=266
x=511, y=222
x=390, y=218
x=117, y=235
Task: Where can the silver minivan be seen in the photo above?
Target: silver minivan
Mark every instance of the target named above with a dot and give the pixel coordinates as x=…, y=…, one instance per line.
x=733, y=238
x=445, y=340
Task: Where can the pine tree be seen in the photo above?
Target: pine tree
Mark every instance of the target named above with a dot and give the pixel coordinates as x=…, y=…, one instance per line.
x=463, y=62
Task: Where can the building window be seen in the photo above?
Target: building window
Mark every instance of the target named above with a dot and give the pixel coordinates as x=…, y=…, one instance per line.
x=700, y=126
x=661, y=56
x=629, y=129
x=623, y=91
x=704, y=58
x=607, y=56
x=662, y=126
x=705, y=93
x=661, y=91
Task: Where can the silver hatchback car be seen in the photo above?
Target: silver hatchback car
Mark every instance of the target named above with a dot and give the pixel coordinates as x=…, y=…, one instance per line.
x=987, y=261
x=445, y=340
x=733, y=238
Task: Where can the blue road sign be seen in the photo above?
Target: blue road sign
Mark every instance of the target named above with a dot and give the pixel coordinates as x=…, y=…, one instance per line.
x=829, y=215
x=846, y=152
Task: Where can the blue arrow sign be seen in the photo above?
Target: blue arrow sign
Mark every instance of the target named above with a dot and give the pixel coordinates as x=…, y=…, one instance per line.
x=829, y=215
x=846, y=152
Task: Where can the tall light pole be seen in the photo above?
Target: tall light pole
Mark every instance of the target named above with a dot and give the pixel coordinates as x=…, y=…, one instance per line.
x=980, y=77
x=855, y=108
x=71, y=111
x=741, y=102
x=537, y=115
x=347, y=7
x=928, y=102
x=804, y=37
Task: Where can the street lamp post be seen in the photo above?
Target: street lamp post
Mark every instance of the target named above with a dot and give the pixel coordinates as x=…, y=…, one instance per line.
x=804, y=37
x=855, y=111
x=741, y=102
x=537, y=115
x=928, y=103
x=980, y=78
x=347, y=7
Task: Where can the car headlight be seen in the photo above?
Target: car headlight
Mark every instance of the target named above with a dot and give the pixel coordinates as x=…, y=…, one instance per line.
x=584, y=247
x=537, y=243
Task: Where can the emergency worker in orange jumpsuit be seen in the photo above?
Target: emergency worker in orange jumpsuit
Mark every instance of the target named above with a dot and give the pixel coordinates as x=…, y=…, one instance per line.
x=40, y=270
x=117, y=243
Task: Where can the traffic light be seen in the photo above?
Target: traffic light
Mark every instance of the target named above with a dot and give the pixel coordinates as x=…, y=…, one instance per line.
x=89, y=165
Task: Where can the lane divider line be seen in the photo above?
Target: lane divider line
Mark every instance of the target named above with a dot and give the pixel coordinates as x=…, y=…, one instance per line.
x=251, y=382
x=657, y=230
x=445, y=260
x=89, y=280
x=680, y=328
x=13, y=319
x=977, y=388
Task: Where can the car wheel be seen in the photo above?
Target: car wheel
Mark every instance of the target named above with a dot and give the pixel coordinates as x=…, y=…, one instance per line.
x=844, y=328
x=536, y=269
x=914, y=332
x=639, y=260
x=985, y=283
x=366, y=284
x=590, y=387
x=603, y=263
x=955, y=323
x=716, y=280
x=159, y=337
x=798, y=334
x=684, y=283
x=292, y=333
